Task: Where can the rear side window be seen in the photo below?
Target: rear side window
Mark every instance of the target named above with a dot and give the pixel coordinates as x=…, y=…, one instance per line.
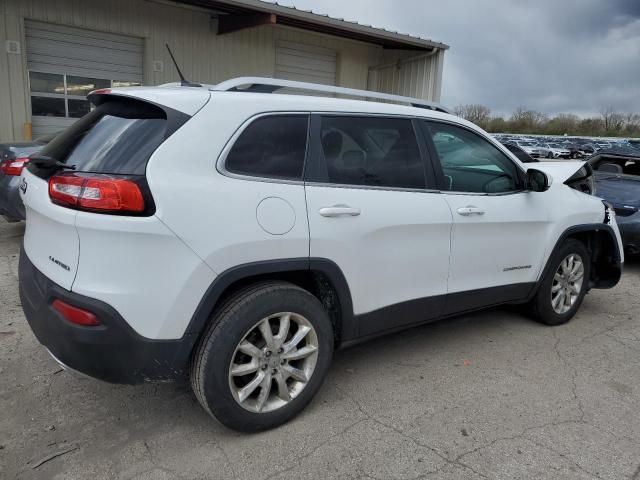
x=118, y=137
x=371, y=151
x=272, y=147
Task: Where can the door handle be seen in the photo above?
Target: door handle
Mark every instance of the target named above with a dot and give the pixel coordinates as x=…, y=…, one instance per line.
x=339, y=211
x=470, y=210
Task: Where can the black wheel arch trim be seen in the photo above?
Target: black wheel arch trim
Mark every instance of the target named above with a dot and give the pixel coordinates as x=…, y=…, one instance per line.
x=227, y=278
x=616, y=273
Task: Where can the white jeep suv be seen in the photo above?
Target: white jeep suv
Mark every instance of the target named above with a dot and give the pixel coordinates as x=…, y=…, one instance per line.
x=237, y=236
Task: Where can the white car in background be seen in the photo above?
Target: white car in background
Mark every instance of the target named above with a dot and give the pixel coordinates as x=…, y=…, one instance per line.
x=238, y=237
x=529, y=147
x=553, y=150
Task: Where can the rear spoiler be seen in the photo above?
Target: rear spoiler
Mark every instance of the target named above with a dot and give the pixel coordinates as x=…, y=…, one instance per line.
x=175, y=118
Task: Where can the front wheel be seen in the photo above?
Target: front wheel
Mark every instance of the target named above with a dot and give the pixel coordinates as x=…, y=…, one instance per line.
x=550, y=155
x=263, y=357
x=564, y=285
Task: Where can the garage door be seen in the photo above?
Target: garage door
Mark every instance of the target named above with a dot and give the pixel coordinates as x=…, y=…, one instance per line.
x=305, y=63
x=66, y=63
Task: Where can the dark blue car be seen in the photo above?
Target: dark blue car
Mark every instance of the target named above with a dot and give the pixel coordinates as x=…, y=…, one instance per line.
x=617, y=177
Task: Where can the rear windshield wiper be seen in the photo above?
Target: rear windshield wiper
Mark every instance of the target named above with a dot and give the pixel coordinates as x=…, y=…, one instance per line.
x=44, y=161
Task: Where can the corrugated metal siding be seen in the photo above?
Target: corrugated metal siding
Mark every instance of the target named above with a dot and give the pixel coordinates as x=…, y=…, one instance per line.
x=191, y=32
x=55, y=48
x=419, y=77
x=306, y=63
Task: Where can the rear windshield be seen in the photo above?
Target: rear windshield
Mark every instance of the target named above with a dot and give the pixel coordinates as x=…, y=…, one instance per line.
x=118, y=137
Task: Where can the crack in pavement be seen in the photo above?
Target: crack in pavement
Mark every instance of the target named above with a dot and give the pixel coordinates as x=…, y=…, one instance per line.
x=565, y=457
x=234, y=475
x=445, y=458
x=574, y=374
x=315, y=449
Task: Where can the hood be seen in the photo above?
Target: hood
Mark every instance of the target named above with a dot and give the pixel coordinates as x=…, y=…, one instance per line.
x=618, y=190
x=558, y=172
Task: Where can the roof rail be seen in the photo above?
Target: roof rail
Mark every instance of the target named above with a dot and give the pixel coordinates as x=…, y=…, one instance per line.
x=270, y=85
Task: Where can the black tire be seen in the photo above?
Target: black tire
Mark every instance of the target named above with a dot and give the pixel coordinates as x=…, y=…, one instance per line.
x=550, y=155
x=540, y=307
x=228, y=325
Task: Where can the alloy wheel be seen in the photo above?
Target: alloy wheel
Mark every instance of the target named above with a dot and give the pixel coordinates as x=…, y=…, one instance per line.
x=274, y=362
x=567, y=283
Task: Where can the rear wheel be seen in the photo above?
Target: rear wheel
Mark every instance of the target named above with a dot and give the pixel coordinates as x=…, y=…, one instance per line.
x=264, y=356
x=550, y=155
x=564, y=286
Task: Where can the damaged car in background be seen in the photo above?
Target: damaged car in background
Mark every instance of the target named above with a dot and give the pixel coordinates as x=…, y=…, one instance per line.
x=617, y=180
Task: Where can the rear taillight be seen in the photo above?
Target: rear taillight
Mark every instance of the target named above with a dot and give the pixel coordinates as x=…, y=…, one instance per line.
x=98, y=193
x=13, y=167
x=75, y=315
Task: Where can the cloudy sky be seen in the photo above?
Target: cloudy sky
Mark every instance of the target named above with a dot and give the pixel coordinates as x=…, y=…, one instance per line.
x=554, y=56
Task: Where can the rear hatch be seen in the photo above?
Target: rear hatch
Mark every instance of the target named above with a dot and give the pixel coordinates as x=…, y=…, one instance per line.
x=111, y=144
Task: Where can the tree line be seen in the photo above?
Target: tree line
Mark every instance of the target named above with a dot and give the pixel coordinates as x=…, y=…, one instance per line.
x=608, y=124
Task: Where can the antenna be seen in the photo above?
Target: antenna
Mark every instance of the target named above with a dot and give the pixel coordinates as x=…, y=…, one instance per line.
x=183, y=81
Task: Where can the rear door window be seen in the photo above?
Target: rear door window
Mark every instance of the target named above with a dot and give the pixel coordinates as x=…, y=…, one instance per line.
x=370, y=151
x=118, y=137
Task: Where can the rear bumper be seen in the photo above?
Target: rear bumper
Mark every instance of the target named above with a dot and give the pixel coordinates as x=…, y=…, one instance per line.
x=112, y=352
x=11, y=205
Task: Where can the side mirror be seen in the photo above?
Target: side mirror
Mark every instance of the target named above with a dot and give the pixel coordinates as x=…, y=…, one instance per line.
x=537, y=181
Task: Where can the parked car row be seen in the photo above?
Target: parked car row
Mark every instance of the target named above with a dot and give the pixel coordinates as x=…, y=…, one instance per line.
x=564, y=147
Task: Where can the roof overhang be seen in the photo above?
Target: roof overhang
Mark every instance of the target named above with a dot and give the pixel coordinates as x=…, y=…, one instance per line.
x=239, y=14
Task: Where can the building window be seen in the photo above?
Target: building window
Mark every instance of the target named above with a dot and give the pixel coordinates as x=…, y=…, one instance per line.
x=58, y=95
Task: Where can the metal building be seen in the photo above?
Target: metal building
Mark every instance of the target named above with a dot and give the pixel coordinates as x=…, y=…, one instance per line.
x=55, y=52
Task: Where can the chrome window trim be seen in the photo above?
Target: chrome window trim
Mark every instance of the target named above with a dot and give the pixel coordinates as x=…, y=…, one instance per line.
x=484, y=194
x=370, y=187
x=221, y=162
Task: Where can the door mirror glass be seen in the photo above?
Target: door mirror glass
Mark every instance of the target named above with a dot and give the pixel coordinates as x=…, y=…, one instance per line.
x=537, y=181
